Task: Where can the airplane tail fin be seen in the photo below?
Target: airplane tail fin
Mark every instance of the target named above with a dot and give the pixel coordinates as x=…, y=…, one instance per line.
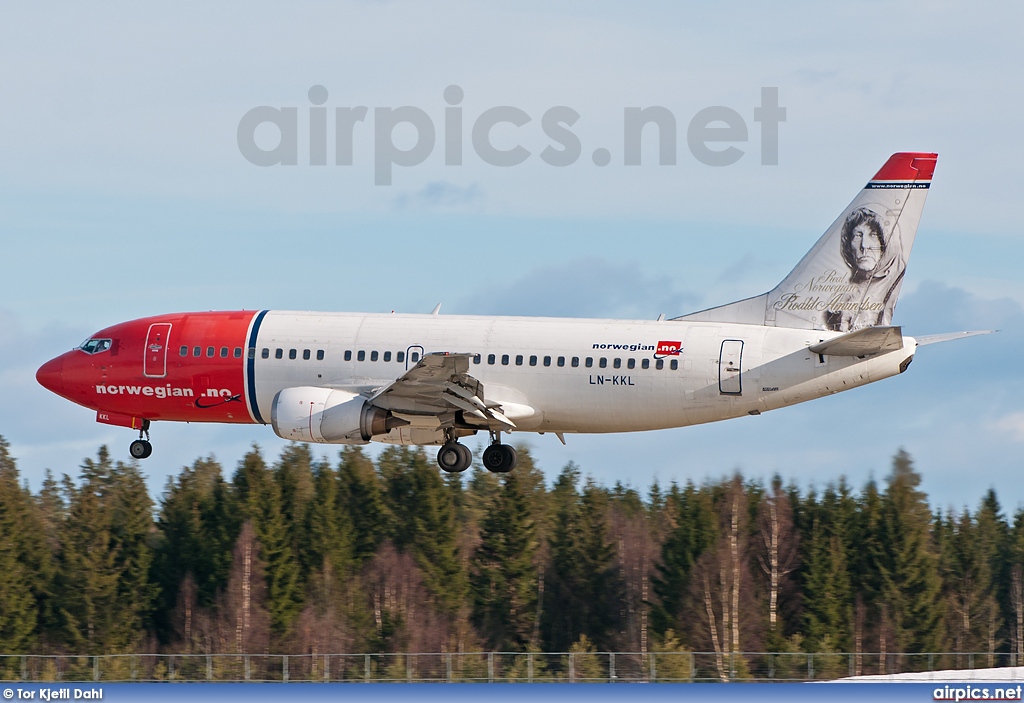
x=850, y=279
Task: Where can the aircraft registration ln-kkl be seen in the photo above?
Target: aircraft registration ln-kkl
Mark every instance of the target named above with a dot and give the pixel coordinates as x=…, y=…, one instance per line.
x=344, y=378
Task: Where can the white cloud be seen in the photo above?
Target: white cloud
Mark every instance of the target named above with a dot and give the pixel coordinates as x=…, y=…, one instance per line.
x=1013, y=425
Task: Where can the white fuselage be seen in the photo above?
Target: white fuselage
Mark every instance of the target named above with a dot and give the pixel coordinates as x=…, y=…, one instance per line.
x=570, y=375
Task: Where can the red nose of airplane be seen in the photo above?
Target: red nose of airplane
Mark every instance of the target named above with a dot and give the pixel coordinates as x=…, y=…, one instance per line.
x=51, y=375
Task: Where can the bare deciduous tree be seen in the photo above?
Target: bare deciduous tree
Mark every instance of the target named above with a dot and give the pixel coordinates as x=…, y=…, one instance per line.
x=777, y=546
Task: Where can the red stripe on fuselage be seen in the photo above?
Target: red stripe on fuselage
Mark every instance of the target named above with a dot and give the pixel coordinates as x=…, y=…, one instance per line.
x=130, y=380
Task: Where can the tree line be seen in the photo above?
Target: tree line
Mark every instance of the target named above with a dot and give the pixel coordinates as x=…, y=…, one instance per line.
x=306, y=555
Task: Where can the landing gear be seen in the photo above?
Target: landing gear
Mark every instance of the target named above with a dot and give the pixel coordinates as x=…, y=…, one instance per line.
x=499, y=458
x=141, y=448
x=454, y=457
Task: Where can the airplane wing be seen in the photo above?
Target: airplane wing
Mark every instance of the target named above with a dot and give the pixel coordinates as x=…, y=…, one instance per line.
x=949, y=336
x=440, y=384
x=862, y=342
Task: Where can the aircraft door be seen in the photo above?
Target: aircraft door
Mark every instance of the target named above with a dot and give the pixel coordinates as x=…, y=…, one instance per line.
x=730, y=361
x=154, y=363
x=409, y=360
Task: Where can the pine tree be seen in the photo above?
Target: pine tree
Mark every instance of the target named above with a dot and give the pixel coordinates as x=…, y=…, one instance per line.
x=583, y=587
x=993, y=542
x=910, y=582
x=827, y=598
x=362, y=497
x=967, y=580
x=426, y=527
x=19, y=608
x=88, y=576
x=259, y=499
x=1015, y=559
x=131, y=523
x=503, y=576
x=293, y=474
x=196, y=528
x=694, y=530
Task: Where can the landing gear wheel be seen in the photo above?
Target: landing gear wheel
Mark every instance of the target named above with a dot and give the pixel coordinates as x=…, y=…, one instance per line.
x=467, y=455
x=140, y=449
x=499, y=458
x=454, y=458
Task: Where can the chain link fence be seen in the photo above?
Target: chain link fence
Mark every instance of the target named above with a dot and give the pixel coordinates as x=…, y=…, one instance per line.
x=486, y=666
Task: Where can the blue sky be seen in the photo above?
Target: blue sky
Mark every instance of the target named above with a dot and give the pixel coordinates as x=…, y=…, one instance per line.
x=123, y=193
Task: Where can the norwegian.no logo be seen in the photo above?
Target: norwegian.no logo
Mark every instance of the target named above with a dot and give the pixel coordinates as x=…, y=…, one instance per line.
x=661, y=349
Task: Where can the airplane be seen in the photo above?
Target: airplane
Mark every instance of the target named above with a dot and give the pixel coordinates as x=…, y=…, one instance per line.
x=414, y=379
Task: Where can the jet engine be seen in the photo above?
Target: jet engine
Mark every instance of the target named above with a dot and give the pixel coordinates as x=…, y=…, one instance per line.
x=311, y=414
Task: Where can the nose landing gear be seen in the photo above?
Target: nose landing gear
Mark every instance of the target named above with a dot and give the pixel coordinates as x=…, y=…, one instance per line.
x=141, y=448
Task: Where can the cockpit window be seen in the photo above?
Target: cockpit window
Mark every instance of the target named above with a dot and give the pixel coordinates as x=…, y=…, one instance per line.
x=95, y=346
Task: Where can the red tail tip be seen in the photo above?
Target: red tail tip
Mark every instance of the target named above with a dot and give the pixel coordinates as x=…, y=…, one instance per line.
x=908, y=166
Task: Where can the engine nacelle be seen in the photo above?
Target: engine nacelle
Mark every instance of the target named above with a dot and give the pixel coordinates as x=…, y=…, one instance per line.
x=323, y=415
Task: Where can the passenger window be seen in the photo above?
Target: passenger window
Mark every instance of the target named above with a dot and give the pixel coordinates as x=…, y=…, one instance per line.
x=533, y=359
x=504, y=359
x=414, y=357
x=238, y=352
x=223, y=352
x=617, y=363
x=319, y=354
x=630, y=363
x=387, y=357
x=477, y=359
x=674, y=364
x=575, y=361
x=361, y=355
x=659, y=364
x=348, y=355
x=373, y=356
x=561, y=361
x=197, y=351
x=265, y=353
x=183, y=351
x=252, y=352
x=279, y=353
x=645, y=364
x=547, y=361
x=603, y=363
x=589, y=362
x=210, y=351
x=400, y=357
x=519, y=359
x=292, y=354
x=305, y=354
x=490, y=359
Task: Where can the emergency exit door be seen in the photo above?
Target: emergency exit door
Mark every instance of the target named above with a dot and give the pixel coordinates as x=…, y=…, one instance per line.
x=730, y=368
x=155, y=362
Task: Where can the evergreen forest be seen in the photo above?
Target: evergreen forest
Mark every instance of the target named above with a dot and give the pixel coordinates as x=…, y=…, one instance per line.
x=302, y=554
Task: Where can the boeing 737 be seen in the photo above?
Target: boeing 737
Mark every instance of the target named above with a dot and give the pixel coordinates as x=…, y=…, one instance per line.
x=343, y=378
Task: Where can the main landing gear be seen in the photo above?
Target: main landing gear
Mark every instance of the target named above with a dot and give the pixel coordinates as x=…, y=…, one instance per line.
x=497, y=458
x=454, y=457
x=141, y=448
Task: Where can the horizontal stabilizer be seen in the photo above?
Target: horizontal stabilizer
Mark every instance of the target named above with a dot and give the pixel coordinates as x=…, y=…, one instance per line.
x=949, y=336
x=862, y=342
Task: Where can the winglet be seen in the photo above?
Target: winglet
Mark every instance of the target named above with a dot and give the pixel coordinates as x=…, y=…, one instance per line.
x=436, y=310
